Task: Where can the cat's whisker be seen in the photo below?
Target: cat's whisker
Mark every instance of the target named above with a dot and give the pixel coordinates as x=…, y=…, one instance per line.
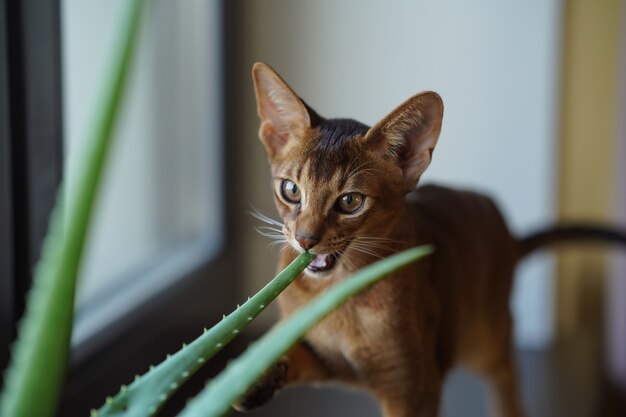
x=376, y=249
x=269, y=229
x=365, y=250
x=347, y=260
x=268, y=233
x=272, y=231
x=374, y=254
x=285, y=247
x=277, y=242
x=264, y=218
x=355, y=259
x=373, y=244
x=275, y=237
x=379, y=238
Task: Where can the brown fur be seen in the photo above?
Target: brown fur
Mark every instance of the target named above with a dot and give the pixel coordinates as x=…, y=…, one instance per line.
x=400, y=338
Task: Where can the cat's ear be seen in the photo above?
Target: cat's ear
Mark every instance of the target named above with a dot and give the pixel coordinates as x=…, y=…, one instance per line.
x=281, y=111
x=409, y=135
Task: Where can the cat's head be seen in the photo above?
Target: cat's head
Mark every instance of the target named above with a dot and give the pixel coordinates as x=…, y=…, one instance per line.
x=339, y=184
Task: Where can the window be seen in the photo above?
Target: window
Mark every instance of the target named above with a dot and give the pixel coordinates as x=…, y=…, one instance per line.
x=158, y=265
x=159, y=213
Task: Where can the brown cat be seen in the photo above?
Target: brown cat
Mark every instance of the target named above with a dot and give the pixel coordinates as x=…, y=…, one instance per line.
x=346, y=192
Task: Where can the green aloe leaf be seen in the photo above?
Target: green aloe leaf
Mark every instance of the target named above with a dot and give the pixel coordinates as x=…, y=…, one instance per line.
x=234, y=381
x=39, y=356
x=146, y=395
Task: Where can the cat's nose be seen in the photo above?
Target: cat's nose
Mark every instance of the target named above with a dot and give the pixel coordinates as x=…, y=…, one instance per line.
x=307, y=242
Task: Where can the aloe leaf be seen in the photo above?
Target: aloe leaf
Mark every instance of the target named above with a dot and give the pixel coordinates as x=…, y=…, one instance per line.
x=235, y=380
x=39, y=356
x=146, y=395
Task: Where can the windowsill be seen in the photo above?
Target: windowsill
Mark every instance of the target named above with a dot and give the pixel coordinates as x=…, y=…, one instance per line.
x=93, y=318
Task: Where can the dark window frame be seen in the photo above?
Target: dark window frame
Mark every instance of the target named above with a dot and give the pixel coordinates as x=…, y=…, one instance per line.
x=30, y=144
x=6, y=235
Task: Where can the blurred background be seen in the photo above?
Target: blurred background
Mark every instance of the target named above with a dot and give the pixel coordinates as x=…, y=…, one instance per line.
x=535, y=98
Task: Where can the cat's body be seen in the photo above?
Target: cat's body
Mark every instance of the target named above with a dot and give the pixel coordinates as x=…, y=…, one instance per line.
x=409, y=330
x=346, y=192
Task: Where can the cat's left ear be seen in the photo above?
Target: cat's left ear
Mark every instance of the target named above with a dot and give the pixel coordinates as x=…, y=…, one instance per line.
x=409, y=135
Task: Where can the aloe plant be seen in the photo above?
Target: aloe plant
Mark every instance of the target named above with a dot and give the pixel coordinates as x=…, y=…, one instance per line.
x=40, y=354
x=238, y=377
x=148, y=393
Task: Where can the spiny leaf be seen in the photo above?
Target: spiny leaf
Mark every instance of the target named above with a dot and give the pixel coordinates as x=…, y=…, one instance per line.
x=147, y=394
x=242, y=373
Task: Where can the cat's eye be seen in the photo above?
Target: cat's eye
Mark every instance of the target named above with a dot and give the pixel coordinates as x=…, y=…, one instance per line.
x=350, y=203
x=290, y=191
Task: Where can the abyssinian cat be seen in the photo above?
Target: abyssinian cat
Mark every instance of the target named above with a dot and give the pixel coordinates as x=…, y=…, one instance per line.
x=347, y=193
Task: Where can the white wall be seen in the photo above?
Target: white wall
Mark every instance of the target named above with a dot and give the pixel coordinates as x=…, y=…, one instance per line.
x=495, y=65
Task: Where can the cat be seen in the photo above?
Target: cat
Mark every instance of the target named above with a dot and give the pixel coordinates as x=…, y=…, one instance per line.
x=347, y=193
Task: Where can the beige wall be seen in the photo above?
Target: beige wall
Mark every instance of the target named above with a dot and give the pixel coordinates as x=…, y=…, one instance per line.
x=587, y=175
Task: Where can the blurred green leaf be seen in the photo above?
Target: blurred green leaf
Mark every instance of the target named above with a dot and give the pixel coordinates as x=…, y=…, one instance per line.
x=39, y=356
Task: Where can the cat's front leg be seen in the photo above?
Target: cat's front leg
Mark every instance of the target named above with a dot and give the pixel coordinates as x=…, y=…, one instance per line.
x=415, y=391
x=265, y=388
x=300, y=365
x=408, y=408
x=415, y=405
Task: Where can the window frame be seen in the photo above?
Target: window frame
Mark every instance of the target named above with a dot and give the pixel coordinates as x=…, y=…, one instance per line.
x=6, y=254
x=30, y=145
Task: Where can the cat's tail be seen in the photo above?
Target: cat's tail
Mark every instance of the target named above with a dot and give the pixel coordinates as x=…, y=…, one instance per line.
x=571, y=233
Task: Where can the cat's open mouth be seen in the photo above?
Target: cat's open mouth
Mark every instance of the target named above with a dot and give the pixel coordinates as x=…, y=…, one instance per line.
x=323, y=263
